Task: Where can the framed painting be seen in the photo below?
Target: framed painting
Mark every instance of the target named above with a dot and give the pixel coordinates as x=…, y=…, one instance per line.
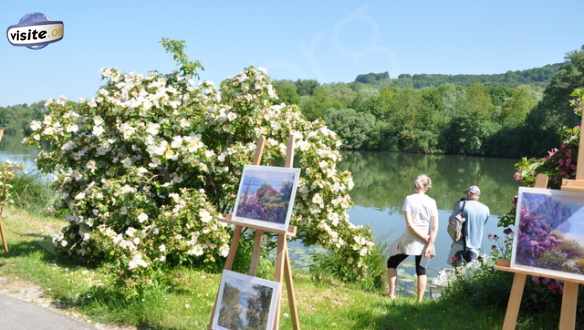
x=245, y=303
x=549, y=232
x=266, y=196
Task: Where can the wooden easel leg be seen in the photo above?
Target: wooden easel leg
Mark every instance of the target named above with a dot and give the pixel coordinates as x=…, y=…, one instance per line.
x=280, y=253
x=228, y=265
x=4, y=241
x=569, y=303
x=233, y=248
x=255, y=256
x=514, y=302
x=291, y=293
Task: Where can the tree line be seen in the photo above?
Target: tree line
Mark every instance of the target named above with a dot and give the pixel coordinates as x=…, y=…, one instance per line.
x=505, y=115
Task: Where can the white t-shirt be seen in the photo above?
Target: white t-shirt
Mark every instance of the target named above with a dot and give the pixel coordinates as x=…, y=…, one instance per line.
x=421, y=207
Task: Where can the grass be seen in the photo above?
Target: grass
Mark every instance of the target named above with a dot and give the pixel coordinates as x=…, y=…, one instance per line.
x=32, y=193
x=187, y=304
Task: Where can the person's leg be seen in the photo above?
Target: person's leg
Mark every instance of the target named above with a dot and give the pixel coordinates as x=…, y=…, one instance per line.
x=422, y=279
x=470, y=255
x=392, y=264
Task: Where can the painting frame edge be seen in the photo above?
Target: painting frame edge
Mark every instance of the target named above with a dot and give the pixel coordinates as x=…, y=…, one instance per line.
x=276, y=286
x=261, y=223
x=549, y=273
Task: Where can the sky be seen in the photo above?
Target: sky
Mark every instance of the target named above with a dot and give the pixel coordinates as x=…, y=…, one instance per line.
x=326, y=40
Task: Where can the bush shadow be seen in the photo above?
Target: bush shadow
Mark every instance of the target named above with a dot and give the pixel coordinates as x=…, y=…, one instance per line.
x=43, y=245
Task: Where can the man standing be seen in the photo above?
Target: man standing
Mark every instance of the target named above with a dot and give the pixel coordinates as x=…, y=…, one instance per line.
x=476, y=215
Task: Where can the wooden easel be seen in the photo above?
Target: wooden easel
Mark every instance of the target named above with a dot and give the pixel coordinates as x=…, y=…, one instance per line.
x=571, y=286
x=2, y=233
x=283, y=269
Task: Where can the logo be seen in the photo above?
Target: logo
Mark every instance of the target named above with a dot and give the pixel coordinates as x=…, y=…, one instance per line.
x=35, y=31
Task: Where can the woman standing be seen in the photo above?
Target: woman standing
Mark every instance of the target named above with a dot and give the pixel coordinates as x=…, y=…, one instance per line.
x=421, y=215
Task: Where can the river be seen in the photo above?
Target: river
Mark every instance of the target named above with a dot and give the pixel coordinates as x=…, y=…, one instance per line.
x=383, y=179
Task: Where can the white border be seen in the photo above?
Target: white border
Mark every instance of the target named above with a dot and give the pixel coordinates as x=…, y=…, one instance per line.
x=544, y=271
x=253, y=280
x=262, y=223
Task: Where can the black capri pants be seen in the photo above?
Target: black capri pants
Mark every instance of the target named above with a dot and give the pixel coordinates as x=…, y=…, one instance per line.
x=395, y=260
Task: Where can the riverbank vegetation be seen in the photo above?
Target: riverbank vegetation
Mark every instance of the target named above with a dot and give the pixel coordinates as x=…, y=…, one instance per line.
x=145, y=169
x=483, y=286
x=187, y=302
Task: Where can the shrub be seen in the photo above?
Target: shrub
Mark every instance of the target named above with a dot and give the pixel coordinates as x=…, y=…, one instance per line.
x=8, y=171
x=329, y=265
x=32, y=193
x=148, y=165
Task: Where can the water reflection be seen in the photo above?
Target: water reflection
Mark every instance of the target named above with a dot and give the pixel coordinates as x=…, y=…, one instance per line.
x=382, y=180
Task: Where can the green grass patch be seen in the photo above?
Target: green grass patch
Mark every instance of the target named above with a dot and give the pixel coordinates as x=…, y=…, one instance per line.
x=187, y=302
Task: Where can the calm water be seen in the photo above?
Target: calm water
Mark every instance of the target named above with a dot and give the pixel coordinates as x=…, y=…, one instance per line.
x=382, y=180
x=25, y=159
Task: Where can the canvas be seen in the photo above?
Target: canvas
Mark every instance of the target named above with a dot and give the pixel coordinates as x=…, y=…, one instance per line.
x=245, y=303
x=266, y=196
x=549, y=232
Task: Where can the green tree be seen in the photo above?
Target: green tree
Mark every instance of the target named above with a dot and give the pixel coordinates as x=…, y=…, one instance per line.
x=325, y=98
x=517, y=107
x=357, y=130
x=372, y=78
x=306, y=86
x=554, y=111
x=467, y=134
x=16, y=120
x=287, y=91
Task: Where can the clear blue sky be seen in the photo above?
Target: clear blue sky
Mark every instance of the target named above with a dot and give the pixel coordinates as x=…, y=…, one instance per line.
x=325, y=40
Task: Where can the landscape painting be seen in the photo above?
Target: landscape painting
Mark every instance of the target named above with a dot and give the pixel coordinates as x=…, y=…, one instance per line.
x=549, y=235
x=245, y=303
x=266, y=196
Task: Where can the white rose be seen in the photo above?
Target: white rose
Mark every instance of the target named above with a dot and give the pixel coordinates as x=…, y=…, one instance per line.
x=97, y=130
x=137, y=261
x=35, y=125
x=142, y=217
x=205, y=216
x=196, y=251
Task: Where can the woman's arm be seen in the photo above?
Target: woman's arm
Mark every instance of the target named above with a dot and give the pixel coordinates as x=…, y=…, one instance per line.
x=433, y=229
x=412, y=229
x=429, y=251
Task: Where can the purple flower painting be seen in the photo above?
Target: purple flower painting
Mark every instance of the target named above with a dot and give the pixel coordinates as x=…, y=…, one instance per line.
x=550, y=231
x=266, y=194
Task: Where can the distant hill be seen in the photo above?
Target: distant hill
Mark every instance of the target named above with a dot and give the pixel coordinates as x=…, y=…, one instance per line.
x=535, y=76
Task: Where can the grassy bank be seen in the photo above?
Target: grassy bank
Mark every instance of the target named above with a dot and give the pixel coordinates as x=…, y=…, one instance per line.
x=188, y=304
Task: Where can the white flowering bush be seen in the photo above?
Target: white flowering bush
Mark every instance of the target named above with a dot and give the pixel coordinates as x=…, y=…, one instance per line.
x=147, y=167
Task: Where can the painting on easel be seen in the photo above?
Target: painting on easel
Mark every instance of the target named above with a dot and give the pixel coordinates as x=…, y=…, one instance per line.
x=266, y=196
x=549, y=235
x=245, y=303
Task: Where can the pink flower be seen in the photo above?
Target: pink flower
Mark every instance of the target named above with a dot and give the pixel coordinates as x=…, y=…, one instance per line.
x=517, y=176
x=551, y=153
